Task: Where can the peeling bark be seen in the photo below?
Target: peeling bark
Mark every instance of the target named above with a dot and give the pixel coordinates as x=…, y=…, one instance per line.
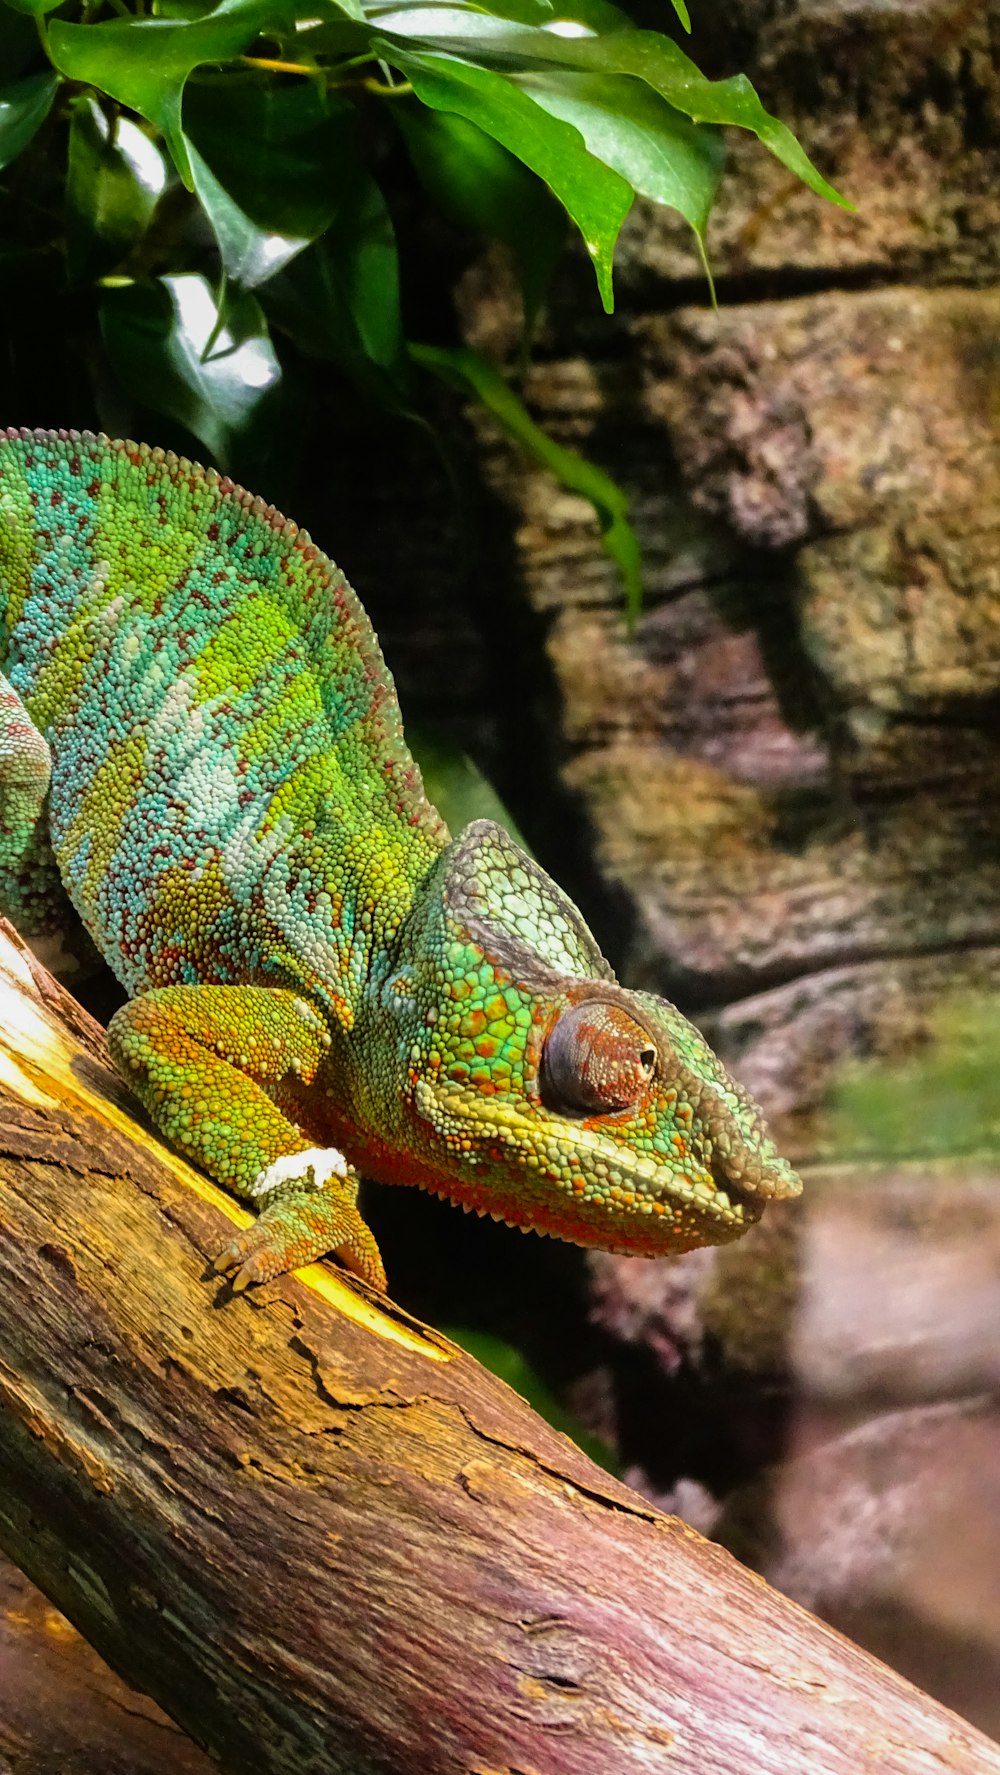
x=322, y=1538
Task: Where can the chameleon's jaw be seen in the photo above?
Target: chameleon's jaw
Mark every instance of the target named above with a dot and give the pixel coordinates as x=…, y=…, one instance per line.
x=572, y=1178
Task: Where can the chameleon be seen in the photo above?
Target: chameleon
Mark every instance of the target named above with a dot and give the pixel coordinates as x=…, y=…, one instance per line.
x=201, y=748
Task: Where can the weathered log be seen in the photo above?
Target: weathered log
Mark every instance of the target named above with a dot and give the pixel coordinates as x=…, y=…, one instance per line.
x=63, y=1712
x=321, y=1537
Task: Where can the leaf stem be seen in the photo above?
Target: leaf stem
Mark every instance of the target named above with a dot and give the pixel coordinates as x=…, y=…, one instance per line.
x=273, y=67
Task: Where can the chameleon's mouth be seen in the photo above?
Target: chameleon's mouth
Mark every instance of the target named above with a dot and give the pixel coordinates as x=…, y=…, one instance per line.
x=523, y=1171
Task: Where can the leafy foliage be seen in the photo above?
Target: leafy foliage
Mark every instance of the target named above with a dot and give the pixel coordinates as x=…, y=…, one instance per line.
x=220, y=174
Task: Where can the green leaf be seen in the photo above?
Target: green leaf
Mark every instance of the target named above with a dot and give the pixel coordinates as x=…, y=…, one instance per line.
x=646, y=55
x=172, y=347
x=481, y=186
x=24, y=107
x=661, y=153
x=457, y=787
x=599, y=15
x=465, y=370
x=268, y=164
x=34, y=8
x=596, y=197
x=436, y=23
x=144, y=63
x=18, y=44
x=340, y=299
x=115, y=178
x=521, y=12
x=656, y=60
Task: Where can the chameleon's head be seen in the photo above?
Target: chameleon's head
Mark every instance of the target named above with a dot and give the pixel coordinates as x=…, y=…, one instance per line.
x=537, y=1089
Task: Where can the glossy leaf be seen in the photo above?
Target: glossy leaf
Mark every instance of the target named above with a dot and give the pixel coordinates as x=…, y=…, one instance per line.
x=481, y=186
x=522, y=12
x=24, y=107
x=173, y=350
x=596, y=197
x=18, y=45
x=662, y=153
x=278, y=150
x=33, y=8
x=436, y=23
x=144, y=63
x=270, y=165
x=115, y=178
x=645, y=55
x=465, y=370
x=340, y=299
x=663, y=66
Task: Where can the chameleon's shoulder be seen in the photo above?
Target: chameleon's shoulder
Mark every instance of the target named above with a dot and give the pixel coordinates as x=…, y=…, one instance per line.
x=139, y=518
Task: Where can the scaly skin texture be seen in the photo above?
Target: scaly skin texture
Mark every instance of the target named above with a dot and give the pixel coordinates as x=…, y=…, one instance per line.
x=201, y=745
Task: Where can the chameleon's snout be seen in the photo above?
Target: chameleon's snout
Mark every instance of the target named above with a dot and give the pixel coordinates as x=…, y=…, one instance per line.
x=743, y=1158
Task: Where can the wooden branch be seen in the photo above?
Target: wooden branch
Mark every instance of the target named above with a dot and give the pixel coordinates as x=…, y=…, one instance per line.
x=325, y=1540
x=62, y=1709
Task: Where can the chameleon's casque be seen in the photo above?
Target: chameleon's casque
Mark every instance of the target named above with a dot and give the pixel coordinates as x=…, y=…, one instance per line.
x=201, y=745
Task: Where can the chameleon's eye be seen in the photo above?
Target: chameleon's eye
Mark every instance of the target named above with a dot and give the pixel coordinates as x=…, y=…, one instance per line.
x=596, y=1058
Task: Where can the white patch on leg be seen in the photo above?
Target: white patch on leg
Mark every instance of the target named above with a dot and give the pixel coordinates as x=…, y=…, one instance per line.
x=312, y=1169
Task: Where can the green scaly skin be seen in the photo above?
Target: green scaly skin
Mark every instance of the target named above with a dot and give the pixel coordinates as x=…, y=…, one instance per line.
x=200, y=745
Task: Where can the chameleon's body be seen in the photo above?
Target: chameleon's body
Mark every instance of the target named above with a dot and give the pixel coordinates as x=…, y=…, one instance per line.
x=199, y=741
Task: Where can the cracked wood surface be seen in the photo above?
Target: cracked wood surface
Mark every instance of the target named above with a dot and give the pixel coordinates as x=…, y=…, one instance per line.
x=322, y=1538
x=63, y=1712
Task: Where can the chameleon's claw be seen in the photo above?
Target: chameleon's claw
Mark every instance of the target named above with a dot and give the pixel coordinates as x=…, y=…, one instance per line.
x=243, y=1265
x=298, y=1226
x=227, y=1259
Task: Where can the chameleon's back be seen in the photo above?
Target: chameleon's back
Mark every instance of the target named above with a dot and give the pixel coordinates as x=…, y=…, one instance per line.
x=223, y=728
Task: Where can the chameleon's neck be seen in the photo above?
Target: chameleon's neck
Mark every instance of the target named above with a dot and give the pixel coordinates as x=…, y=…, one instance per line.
x=336, y=897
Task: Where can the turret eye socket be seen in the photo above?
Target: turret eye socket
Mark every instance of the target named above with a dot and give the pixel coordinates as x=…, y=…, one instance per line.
x=597, y=1059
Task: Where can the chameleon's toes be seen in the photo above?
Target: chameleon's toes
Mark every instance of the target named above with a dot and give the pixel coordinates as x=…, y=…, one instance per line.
x=298, y=1226
x=248, y=1259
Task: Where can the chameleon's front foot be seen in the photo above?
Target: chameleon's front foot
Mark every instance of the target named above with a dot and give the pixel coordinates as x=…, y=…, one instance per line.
x=310, y=1212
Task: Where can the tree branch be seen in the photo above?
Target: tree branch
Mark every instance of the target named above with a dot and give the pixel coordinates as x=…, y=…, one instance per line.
x=321, y=1537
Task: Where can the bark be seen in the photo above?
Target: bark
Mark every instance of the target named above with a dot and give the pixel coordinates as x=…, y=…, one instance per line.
x=322, y=1538
x=63, y=1712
